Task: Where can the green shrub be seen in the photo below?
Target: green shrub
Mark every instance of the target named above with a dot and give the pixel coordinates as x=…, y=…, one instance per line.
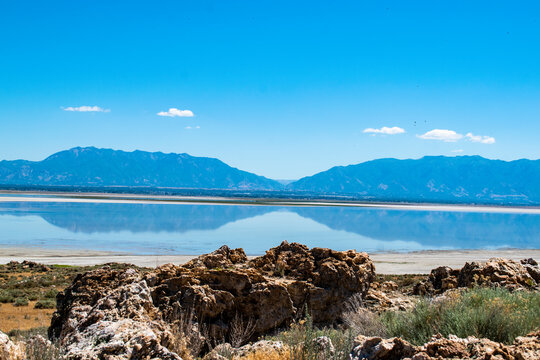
x=496, y=314
x=299, y=338
x=50, y=294
x=45, y=304
x=20, y=302
x=6, y=297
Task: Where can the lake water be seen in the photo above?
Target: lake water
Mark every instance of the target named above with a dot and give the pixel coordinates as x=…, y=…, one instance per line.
x=179, y=228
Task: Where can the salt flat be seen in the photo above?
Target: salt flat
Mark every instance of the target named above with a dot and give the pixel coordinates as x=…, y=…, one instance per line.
x=420, y=262
x=16, y=196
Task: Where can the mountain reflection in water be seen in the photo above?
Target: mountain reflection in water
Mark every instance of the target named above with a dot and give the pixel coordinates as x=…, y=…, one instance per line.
x=176, y=228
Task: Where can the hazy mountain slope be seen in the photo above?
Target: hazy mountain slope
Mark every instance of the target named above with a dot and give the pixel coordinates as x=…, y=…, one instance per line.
x=432, y=178
x=104, y=167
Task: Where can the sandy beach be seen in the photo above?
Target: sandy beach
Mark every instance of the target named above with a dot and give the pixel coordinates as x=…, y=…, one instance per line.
x=420, y=262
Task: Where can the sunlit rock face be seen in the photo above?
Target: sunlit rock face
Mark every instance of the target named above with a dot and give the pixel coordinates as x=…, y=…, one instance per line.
x=371, y=348
x=127, y=312
x=495, y=272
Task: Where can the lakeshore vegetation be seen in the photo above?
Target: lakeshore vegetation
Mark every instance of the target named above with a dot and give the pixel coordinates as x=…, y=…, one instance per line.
x=28, y=291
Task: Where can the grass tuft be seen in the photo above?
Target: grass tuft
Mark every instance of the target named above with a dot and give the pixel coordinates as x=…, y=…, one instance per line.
x=493, y=313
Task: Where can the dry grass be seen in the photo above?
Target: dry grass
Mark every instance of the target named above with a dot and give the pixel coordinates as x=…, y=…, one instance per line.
x=188, y=338
x=361, y=320
x=23, y=317
x=241, y=330
x=266, y=355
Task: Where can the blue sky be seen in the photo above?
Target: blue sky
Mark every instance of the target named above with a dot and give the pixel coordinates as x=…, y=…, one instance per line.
x=283, y=89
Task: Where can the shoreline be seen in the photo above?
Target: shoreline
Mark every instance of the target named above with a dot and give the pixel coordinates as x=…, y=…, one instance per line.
x=417, y=262
x=111, y=198
x=388, y=263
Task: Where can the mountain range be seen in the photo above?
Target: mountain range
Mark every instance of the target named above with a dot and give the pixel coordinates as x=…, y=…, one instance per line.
x=432, y=178
x=464, y=179
x=90, y=166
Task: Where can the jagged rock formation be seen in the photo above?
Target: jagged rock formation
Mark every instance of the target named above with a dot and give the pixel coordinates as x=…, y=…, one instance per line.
x=386, y=296
x=371, y=348
x=495, y=272
x=10, y=350
x=126, y=313
x=270, y=290
x=109, y=314
x=319, y=279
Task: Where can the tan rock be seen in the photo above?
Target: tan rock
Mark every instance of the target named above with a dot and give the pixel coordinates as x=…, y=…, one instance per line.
x=495, y=272
x=231, y=298
x=451, y=347
x=376, y=348
x=527, y=347
x=10, y=350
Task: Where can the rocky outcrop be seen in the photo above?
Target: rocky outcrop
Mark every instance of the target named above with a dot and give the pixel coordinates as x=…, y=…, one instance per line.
x=318, y=279
x=381, y=349
x=123, y=313
x=495, y=272
x=221, y=258
x=527, y=347
x=271, y=290
x=452, y=347
x=27, y=265
x=324, y=348
x=10, y=350
x=109, y=314
x=386, y=296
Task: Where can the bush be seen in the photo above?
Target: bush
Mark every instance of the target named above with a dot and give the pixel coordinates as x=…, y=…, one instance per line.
x=20, y=302
x=6, y=297
x=496, y=314
x=50, y=294
x=37, y=348
x=361, y=320
x=299, y=339
x=45, y=304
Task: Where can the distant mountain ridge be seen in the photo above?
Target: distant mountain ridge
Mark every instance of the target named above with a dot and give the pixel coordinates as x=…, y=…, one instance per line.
x=462, y=179
x=91, y=166
x=432, y=179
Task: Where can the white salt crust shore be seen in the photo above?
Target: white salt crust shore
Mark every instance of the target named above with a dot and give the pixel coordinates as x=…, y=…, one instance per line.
x=420, y=262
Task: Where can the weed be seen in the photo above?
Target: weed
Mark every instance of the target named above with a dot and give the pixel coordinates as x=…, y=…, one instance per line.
x=496, y=314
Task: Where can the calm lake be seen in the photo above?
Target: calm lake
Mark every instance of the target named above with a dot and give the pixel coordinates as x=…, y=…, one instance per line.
x=185, y=229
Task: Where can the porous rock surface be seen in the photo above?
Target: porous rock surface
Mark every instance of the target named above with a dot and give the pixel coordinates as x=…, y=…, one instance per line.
x=123, y=314
x=10, y=350
x=496, y=272
x=376, y=348
x=109, y=314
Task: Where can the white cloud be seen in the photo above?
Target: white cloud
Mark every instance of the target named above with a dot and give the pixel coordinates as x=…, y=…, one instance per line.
x=176, y=112
x=192, y=127
x=457, y=151
x=86, y=108
x=480, y=138
x=442, y=135
x=385, y=130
